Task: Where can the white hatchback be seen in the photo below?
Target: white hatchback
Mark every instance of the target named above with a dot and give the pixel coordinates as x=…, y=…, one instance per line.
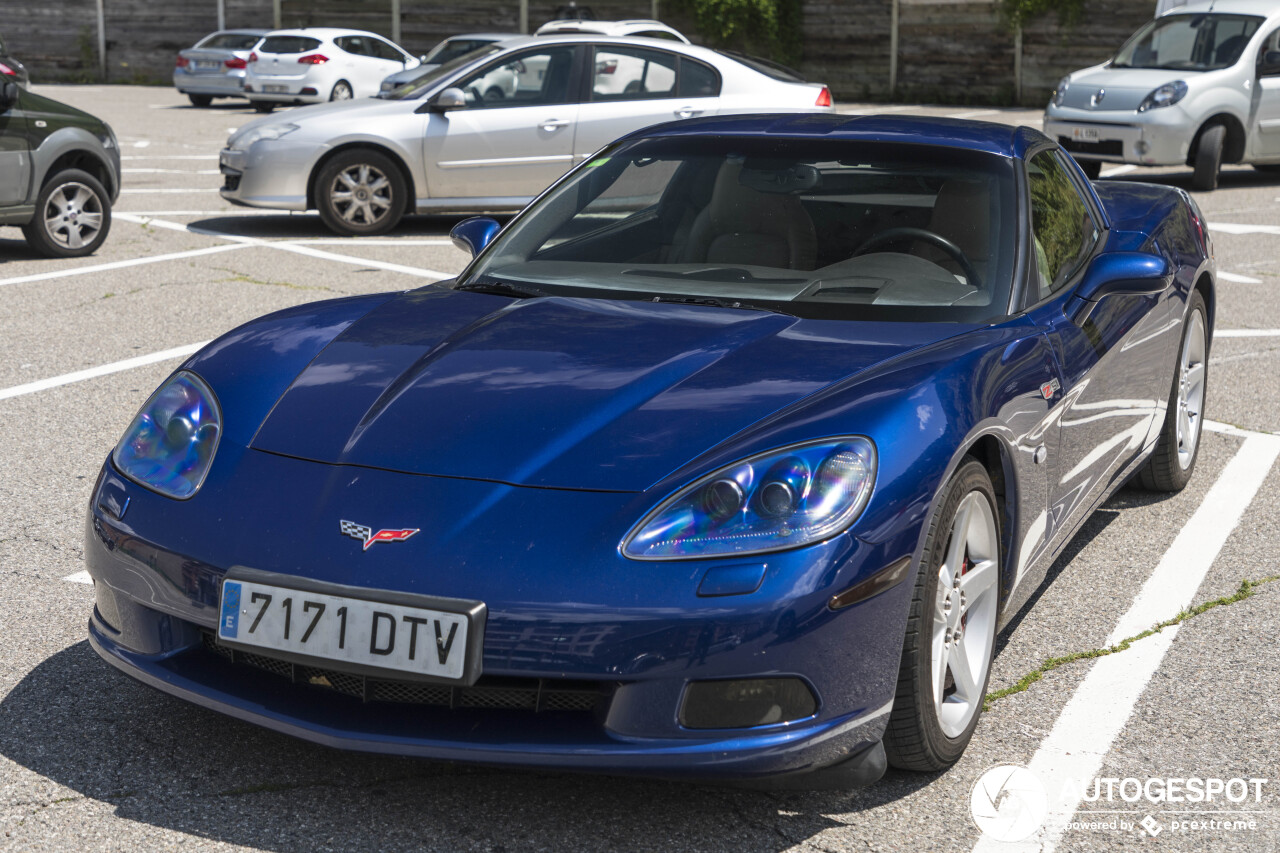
x=312, y=65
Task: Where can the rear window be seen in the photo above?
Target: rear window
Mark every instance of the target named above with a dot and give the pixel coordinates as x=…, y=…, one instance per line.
x=289, y=44
x=766, y=67
x=231, y=41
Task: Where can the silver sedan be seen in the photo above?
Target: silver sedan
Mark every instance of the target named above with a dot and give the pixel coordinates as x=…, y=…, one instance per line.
x=490, y=130
x=215, y=66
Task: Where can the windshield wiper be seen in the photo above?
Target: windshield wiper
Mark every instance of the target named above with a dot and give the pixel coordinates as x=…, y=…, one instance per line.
x=720, y=303
x=501, y=288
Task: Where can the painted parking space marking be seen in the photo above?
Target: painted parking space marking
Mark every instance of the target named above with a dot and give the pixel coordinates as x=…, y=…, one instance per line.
x=1246, y=333
x=1117, y=170
x=158, y=171
x=117, y=265
x=79, y=577
x=169, y=157
x=974, y=114
x=100, y=370
x=1238, y=279
x=1105, y=700
x=166, y=191
x=1238, y=228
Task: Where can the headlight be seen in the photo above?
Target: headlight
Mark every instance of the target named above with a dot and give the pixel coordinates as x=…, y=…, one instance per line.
x=777, y=500
x=1166, y=96
x=107, y=137
x=243, y=139
x=170, y=444
x=1060, y=93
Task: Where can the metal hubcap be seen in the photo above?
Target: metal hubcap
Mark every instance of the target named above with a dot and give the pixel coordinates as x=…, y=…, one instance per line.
x=361, y=194
x=73, y=216
x=1190, y=390
x=964, y=620
x=341, y=93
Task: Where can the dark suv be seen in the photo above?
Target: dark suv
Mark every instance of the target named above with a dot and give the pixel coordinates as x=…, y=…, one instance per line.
x=59, y=173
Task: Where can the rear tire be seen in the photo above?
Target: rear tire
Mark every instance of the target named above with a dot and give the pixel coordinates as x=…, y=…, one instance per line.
x=1174, y=460
x=951, y=628
x=341, y=91
x=361, y=192
x=72, y=216
x=1208, y=159
x=200, y=100
x=263, y=106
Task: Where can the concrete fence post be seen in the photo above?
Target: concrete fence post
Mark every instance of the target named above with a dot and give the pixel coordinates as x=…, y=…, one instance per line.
x=102, y=40
x=893, y=48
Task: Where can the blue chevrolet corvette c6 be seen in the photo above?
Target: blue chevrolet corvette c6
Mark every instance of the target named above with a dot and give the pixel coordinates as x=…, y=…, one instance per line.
x=725, y=459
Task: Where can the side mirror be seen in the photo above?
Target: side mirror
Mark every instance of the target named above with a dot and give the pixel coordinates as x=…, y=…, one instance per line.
x=9, y=92
x=1120, y=274
x=452, y=98
x=472, y=235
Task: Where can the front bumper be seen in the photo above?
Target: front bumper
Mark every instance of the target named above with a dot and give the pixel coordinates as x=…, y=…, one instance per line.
x=1159, y=137
x=271, y=174
x=643, y=635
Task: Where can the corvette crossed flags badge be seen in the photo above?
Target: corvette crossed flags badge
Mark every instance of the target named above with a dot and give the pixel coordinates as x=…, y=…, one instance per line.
x=368, y=537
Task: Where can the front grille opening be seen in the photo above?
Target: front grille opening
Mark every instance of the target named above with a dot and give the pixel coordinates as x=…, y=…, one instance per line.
x=538, y=695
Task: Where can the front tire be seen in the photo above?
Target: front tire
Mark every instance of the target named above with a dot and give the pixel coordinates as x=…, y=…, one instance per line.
x=1208, y=159
x=951, y=628
x=72, y=217
x=1174, y=460
x=361, y=192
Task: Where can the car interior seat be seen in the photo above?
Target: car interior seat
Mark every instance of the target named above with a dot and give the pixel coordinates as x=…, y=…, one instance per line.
x=741, y=225
x=962, y=214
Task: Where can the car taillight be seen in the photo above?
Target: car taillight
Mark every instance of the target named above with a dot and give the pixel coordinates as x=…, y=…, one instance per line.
x=235, y=62
x=4, y=69
x=607, y=67
x=253, y=56
x=313, y=59
x=824, y=98
x=181, y=62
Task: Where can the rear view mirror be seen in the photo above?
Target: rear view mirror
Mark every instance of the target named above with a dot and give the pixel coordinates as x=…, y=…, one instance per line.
x=472, y=235
x=1120, y=274
x=452, y=98
x=8, y=95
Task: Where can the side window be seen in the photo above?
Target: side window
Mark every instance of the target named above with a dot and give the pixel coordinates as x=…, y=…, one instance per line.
x=1063, y=231
x=630, y=73
x=698, y=80
x=384, y=50
x=354, y=45
x=657, y=34
x=535, y=78
x=1269, y=55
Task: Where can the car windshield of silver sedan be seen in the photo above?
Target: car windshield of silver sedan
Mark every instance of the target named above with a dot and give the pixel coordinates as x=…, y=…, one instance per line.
x=419, y=86
x=816, y=228
x=1188, y=42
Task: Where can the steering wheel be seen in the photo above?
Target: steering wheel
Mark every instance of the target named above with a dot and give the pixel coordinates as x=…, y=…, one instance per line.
x=889, y=235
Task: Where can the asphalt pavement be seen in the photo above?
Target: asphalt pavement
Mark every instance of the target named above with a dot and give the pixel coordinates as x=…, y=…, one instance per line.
x=90, y=760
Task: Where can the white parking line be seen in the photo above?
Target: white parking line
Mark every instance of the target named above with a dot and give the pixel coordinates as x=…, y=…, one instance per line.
x=1103, y=703
x=1235, y=228
x=152, y=214
x=1117, y=170
x=116, y=265
x=79, y=577
x=148, y=171
x=1246, y=333
x=1238, y=279
x=169, y=191
x=974, y=114
x=100, y=370
x=169, y=157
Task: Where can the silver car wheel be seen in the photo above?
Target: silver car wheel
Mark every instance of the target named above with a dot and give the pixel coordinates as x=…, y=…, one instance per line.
x=964, y=619
x=361, y=194
x=341, y=91
x=1191, y=390
x=73, y=215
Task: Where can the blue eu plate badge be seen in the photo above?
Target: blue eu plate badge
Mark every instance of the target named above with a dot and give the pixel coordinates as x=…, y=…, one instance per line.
x=230, y=609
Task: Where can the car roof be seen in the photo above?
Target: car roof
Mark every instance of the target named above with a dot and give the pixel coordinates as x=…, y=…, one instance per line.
x=248, y=31
x=490, y=36
x=1000, y=139
x=324, y=32
x=705, y=53
x=623, y=27
x=1261, y=8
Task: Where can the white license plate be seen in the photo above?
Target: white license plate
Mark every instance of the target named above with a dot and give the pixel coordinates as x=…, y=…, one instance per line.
x=207, y=65
x=1085, y=134
x=354, y=631
x=275, y=89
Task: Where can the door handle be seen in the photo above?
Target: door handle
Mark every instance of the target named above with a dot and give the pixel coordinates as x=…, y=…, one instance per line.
x=553, y=123
x=688, y=112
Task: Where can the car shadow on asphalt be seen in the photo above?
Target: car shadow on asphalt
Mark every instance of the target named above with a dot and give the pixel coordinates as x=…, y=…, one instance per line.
x=307, y=226
x=164, y=762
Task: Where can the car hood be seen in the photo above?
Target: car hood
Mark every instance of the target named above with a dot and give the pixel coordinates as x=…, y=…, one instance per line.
x=1125, y=87
x=556, y=392
x=340, y=114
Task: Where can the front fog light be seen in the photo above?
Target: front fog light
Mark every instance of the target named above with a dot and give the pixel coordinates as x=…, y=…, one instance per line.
x=745, y=703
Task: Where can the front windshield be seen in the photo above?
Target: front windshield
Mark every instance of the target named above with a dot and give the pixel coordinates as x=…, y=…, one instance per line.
x=1188, y=42
x=812, y=227
x=420, y=85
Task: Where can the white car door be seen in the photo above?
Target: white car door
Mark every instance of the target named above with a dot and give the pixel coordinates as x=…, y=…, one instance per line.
x=635, y=87
x=1265, y=132
x=516, y=134
x=363, y=66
